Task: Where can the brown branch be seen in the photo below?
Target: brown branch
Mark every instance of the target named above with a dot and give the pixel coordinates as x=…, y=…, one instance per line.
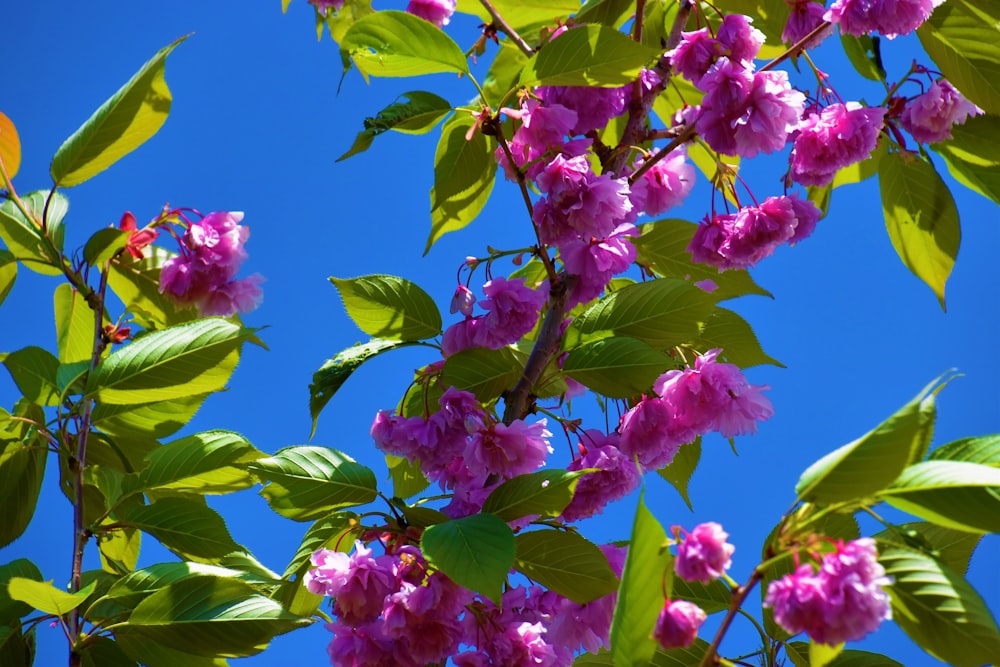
x=505, y=28
x=739, y=596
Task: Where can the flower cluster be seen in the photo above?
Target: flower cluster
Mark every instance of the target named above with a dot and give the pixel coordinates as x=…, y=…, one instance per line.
x=889, y=17
x=616, y=475
x=838, y=136
x=930, y=116
x=843, y=601
x=512, y=311
x=203, y=274
x=392, y=610
x=704, y=554
x=712, y=396
x=461, y=447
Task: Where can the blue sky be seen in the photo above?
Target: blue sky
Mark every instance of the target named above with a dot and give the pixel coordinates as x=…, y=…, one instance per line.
x=257, y=124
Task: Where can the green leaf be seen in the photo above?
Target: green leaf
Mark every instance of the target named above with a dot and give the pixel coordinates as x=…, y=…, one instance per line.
x=521, y=13
x=603, y=658
x=984, y=449
x=389, y=307
x=464, y=170
x=590, y=55
x=736, y=337
x=963, y=39
x=104, y=652
x=870, y=463
x=10, y=609
x=211, y=616
x=137, y=586
x=394, y=43
x=154, y=654
x=415, y=112
x=663, y=249
x=617, y=367
x=22, y=468
x=305, y=483
x=204, y=463
x=119, y=549
x=137, y=284
x=34, y=371
x=712, y=597
x=972, y=157
x=184, y=526
x=407, y=478
x=939, y=610
x=954, y=494
x=8, y=273
x=338, y=23
x=486, y=373
x=420, y=516
x=105, y=244
x=954, y=548
x=332, y=532
x=123, y=123
x=156, y=420
x=545, y=493
x=648, y=572
x=332, y=375
x=821, y=655
x=865, y=55
x=612, y=13
x=769, y=16
x=504, y=72
x=475, y=552
x=179, y=362
x=24, y=238
x=921, y=218
x=663, y=313
x=679, y=471
x=74, y=325
x=681, y=657
x=45, y=597
x=861, y=171
x=798, y=652
x=566, y=563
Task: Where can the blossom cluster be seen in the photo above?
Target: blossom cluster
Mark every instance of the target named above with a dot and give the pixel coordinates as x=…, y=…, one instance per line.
x=203, y=274
x=392, y=609
x=842, y=601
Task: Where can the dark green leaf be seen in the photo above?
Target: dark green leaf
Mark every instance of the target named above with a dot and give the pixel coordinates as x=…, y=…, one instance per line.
x=123, y=123
x=544, y=493
x=16, y=649
x=179, y=362
x=612, y=13
x=648, y=573
x=737, y=339
x=679, y=471
x=590, y=55
x=566, y=563
x=963, y=38
x=486, y=373
x=464, y=169
x=984, y=449
x=663, y=249
x=616, y=367
x=185, y=526
x=954, y=494
x=973, y=158
x=663, y=313
x=389, y=307
x=104, y=652
x=210, y=462
x=921, y=217
x=939, y=610
x=11, y=610
x=712, y=597
x=211, y=616
x=873, y=461
x=305, y=483
x=394, y=43
x=24, y=238
x=22, y=467
x=476, y=552
x=415, y=112
x=154, y=654
x=681, y=657
x=104, y=244
x=34, y=372
x=332, y=375
x=952, y=547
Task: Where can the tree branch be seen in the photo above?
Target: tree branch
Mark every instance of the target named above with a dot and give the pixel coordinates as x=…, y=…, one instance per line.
x=505, y=28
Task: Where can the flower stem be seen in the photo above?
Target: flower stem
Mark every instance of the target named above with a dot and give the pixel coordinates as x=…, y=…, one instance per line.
x=739, y=596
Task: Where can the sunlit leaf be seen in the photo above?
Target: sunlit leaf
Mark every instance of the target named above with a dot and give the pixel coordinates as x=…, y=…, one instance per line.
x=544, y=493
x=475, y=552
x=954, y=494
x=566, y=563
x=23, y=236
x=679, y=471
x=389, y=307
x=415, y=112
x=45, y=597
x=10, y=146
x=590, y=55
x=395, y=43
x=617, y=367
x=185, y=526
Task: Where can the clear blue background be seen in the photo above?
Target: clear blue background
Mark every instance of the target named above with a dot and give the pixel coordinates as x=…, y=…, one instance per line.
x=256, y=126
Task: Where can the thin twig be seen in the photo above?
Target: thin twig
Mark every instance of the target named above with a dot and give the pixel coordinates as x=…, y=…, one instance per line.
x=739, y=595
x=505, y=28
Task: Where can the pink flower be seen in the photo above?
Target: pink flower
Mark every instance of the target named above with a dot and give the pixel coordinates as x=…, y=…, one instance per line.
x=437, y=12
x=805, y=16
x=543, y=131
x=594, y=106
x=772, y=110
x=513, y=310
x=678, y=624
x=664, y=185
x=425, y=618
x=364, y=646
x=704, y=554
x=651, y=433
x=929, y=117
x=838, y=136
x=889, y=17
x=617, y=476
x=739, y=39
x=695, y=54
x=578, y=203
x=713, y=396
x=593, y=263
x=327, y=4
x=462, y=301
x=508, y=451
x=843, y=601
x=359, y=584
x=587, y=626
